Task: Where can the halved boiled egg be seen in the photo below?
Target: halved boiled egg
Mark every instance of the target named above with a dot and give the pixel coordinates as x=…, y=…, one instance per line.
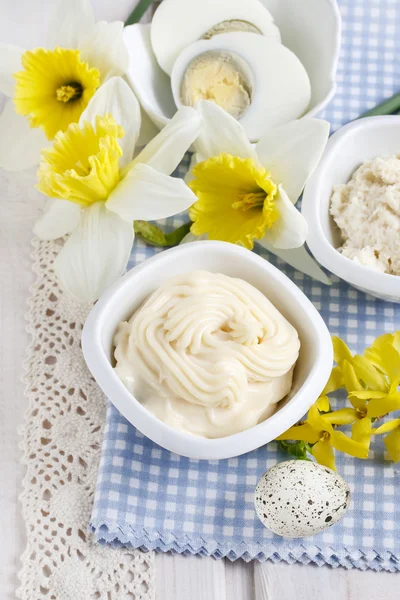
x=149, y=82
x=256, y=79
x=178, y=23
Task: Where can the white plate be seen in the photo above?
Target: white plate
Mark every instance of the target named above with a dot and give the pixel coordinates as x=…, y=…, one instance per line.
x=124, y=297
x=346, y=150
x=310, y=28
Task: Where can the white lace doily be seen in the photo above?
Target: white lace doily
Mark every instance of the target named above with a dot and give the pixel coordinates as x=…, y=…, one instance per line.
x=61, y=450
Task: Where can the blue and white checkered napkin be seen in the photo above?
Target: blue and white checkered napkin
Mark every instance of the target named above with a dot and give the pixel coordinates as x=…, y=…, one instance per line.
x=149, y=498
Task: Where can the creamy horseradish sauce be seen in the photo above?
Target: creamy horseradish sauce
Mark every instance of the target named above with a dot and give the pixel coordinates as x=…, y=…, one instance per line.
x=367, y=212
x=207, y=354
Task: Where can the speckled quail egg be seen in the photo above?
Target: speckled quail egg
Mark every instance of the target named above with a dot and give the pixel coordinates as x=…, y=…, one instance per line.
x=298, y=498
x=178, y=23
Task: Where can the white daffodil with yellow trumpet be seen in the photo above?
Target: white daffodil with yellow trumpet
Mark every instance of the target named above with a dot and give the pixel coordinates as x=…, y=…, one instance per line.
x=98, y=189
x=50, y=87
x=246, y=193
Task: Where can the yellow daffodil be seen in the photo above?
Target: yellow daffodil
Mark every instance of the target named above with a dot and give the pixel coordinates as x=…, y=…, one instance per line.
x=318, y=430
x=221, y=211
x=392, y=439
x=98, y=189
x=247, y=193
x=52, y=86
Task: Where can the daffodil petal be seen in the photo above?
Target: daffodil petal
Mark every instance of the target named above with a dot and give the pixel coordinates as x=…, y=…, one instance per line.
x=20, y=145
x=290, y=229
x=302, y=432
x=104, y=48
x=343, y=416
x=166, y=150
x=116, y=98
x=317, y=421
x=335, y=381
x=194, y=159
x=350, y=379
x=386, y=427
x=151, y=85
x=340, y=350
x=299, y=259
x=292, y=151
x=324, y=455
x=59, y=218
x=96, y=253
x=10, y=63
x=323, y=404
x=368, y=374
x=71, y=21
x=380, y=406
x=361, y=431
x=221, y=133
x=145, y=194
x=343, y=443
x=392, y=443
x=148, y=130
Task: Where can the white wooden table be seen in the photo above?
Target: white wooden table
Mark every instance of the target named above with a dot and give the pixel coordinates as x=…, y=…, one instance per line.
x=178, y=578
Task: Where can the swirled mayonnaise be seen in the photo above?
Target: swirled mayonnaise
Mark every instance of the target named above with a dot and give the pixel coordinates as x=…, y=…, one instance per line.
x=207, y=354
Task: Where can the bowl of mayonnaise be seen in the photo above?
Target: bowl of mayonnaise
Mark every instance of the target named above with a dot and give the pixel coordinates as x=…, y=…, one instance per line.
x=209, y=350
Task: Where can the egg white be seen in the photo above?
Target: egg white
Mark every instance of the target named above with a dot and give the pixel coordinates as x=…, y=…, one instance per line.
x=149, y=82
x=280, y=86
x=178, y=23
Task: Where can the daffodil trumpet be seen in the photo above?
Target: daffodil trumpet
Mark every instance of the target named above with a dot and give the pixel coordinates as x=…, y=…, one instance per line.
x=50, y=87
x=246, y=193
x=98, y=189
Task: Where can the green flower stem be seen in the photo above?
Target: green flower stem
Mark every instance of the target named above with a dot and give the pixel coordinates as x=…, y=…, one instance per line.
x=154, y=236
x=138, y=12
x=175, y=237
x=387, y=107
x=298, y=450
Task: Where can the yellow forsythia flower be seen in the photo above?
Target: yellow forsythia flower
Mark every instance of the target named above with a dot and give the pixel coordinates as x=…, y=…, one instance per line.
x=317, y=429
x=371, y=381
x=392, y=440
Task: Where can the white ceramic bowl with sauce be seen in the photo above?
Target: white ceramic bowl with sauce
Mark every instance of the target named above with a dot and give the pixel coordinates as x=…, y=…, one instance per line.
x=346, y=150
x=125, y=296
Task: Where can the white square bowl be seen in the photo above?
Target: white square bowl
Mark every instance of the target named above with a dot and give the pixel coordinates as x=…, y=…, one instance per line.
x=125, y=296
x=346, y=150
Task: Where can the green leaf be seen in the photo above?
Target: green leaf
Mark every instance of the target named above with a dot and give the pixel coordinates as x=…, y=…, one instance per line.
x=138, y=12
x=175, y=237
x=155, y=236
x=389, y=106
x=297, y=449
